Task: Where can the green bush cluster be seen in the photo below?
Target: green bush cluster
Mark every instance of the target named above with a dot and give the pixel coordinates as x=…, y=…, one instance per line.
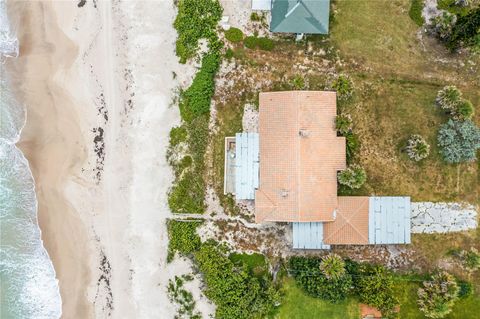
x=343, y=124
x=188, y=191
x=344, y=87
x=262, y=43
x=471, y=259
x=459, y=141
x=236, y=293
x=353, y=145
x=195, y=101
x=183, y=237
x=443, y=25
x=372, y=284
x=438, y=295
x=308, y=273
x=196, y=19
x=178, y=135
x=466, y=31
x=459, y=25
x=415, y=12
x=354, y=176
x=344, y=127
x=234, y=35
x=450, y=100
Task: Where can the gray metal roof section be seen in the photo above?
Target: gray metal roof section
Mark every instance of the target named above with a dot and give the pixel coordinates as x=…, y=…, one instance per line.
x=308, y=236
x=246, y=165
x=264, y=5
x=300, y=16
x=389, y=220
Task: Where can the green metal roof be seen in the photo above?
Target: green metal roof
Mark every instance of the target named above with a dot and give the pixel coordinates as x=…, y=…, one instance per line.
x=300, y=16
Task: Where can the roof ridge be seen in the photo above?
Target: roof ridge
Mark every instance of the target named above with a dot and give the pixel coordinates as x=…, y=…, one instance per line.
x=267, y=197
x=347, y=221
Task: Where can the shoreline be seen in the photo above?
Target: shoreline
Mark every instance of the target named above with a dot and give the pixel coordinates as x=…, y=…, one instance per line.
x=33, y=77
x=98, y=83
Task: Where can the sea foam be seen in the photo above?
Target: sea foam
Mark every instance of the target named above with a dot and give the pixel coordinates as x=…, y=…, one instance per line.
x=28, y=286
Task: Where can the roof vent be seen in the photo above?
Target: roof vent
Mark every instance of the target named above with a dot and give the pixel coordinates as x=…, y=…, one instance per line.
x=303, y=133
x=284, y=193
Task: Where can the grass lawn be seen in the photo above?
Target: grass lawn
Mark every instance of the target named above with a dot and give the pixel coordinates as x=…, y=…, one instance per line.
x=407, y=296
x=467, y=308
x=396, y=86
x=297, y=305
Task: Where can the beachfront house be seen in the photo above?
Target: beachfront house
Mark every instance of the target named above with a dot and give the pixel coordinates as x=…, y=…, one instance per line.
x=289, y=168
x=296, y=16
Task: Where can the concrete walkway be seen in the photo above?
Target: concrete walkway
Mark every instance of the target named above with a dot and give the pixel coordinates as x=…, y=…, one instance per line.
x=428, y=217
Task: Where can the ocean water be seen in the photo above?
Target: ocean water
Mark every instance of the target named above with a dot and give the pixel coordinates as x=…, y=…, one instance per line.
x=28, y=286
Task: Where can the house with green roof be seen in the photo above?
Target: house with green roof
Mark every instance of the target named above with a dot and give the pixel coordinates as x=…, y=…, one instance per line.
x=300, y=16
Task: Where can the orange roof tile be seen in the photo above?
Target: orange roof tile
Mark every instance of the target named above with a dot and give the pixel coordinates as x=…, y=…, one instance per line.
x=300, y=155
x=351, y=223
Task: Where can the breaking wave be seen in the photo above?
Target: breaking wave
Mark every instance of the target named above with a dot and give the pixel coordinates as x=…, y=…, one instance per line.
x=28, y=286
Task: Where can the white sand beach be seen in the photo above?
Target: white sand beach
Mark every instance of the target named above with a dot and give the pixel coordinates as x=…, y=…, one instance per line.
x=98, y=82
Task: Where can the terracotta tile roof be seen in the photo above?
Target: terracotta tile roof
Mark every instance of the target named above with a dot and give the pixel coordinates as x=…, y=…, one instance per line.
x=300, y=155
x=351, y=223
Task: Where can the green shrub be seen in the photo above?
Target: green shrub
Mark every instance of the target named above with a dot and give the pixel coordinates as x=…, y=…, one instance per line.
x=229, y=54
x=374, y=285
x=459, y=141
x=443, y=25
x=262, y=43
x=437, y=296
x=234, y=35
x=464, y=110
x=353, y=145
x=471, y=259
x=234, y=291
x=183, y=298
x=250, y=42
x=265, y=44
x=415, y=12
x=466, y=30
x=308, y=274
x=344, y=87
x=354, y=176
x=177, y=135
x=448, y=98
x=465, y=289
x=343, y=124
x=255, y=17
x=196, y=99
x=298, y=82
x=332, y=266
x=417, y=148
x=196, y=19
x=187, y=194
x=183, y=237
